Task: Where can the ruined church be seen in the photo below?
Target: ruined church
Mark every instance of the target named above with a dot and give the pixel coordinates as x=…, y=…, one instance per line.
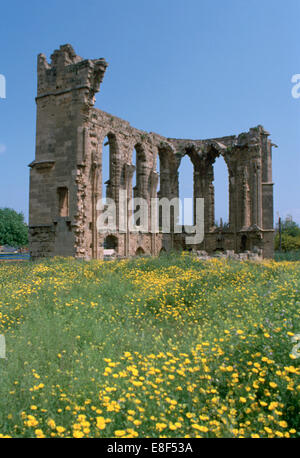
x=66, y=174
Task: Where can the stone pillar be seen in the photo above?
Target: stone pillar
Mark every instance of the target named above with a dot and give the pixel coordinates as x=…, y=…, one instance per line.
x=153, y=178
x=266, y=147
x=205, y=176
x=256, y=198
x=259, y=194
x=211, y=203
x=232, y=202
x=95, y=196
x=267, y=184
x=245, y=199
x=129, y=171
x=197, y=188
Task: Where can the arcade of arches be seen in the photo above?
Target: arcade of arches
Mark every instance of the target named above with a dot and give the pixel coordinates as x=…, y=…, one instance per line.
x=66, y=179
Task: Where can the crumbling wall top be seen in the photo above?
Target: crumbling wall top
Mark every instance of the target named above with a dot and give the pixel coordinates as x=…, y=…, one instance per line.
x=68, y=71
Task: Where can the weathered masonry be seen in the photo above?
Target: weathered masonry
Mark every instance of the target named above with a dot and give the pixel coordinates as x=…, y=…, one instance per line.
x=66, y=175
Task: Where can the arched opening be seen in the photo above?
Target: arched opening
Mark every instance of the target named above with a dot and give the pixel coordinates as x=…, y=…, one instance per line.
x=186, y=191
x=109, y=157
x=221, y=193
x=244, y=242
x=162, y=251
x=140, y=251
x=110, y=242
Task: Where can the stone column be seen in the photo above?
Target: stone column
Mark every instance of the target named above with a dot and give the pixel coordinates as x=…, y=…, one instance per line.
x=232, y=202
x=95, y=195
x=259, y=195
x=197, y=189
x=245, y=198
x=205, y=177
x=256, y=194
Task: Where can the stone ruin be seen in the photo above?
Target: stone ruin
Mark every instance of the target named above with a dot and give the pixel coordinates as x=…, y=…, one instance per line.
x=66, y=175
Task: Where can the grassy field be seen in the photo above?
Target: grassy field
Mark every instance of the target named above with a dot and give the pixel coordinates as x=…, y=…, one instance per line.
x=169, y=347
x=288, y=256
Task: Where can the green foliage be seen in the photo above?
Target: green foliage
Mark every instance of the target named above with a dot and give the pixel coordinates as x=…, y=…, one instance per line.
x=290, y=227
x=290, y=236
x=184, y=344
x=13, y=229
x=288, y=242
x=287, y=256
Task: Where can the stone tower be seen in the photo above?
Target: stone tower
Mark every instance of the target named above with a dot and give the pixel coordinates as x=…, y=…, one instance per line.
x=65, y=96
x=66, y=175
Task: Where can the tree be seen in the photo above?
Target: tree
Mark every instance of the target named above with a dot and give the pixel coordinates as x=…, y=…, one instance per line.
x=290, y=227
x=13, y=229
x=288, y=243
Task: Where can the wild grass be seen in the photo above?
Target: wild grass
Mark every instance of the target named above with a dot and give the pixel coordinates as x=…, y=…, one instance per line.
x=169, y=347
x=287, y=256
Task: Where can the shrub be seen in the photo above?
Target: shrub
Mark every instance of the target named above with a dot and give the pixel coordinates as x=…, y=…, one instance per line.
x=288, y=242
x=13, y=229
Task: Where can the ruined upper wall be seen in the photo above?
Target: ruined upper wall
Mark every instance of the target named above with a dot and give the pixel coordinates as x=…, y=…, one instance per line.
x=68, y=71
x=255, y=141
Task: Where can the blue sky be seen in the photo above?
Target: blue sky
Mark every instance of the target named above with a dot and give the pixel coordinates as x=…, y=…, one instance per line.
x=188, y=69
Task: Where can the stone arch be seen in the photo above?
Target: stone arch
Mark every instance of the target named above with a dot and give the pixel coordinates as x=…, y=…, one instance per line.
x=102, y=186
x=244, y=243
x=221, y=192
x=111, y=242
x=212, y=152
x=167, y=183
x=214, y=149
x=186, y=188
